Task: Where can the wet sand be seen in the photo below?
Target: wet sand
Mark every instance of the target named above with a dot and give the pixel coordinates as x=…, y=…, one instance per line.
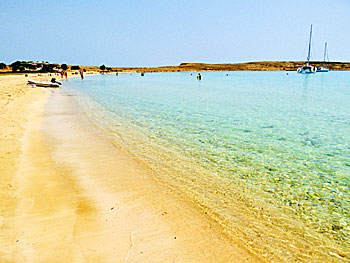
x=69, y=195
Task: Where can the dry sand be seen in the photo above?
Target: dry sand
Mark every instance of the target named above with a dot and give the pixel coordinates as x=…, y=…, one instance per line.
x=69, y=195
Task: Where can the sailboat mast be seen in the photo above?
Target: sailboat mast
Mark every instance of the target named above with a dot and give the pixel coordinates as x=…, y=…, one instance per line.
x=308, y=54
x=325, y=53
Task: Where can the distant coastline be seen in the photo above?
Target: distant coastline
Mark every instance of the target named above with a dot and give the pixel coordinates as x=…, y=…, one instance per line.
x=249, y=66
x=194, y=67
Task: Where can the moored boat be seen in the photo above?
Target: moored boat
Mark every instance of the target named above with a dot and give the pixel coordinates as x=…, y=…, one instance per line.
x=308, y=69
x=324, y=68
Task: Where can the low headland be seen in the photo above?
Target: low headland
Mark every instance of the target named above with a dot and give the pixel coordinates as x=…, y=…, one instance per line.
x=249, y=66
x=183, y=67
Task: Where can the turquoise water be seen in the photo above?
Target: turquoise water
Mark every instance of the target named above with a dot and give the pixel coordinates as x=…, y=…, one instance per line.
x=266, y=154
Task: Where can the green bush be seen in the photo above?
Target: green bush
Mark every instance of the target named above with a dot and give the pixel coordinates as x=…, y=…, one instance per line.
x=64, y=66
x=15, y=65
x=75, y=68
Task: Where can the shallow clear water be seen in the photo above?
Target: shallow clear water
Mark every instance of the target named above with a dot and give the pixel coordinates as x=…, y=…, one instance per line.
x=266, y=154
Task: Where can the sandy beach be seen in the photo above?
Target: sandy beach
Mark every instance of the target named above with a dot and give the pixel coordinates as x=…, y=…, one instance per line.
x=69, y=195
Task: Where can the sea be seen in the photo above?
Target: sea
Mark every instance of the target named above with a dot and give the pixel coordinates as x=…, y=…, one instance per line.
x=265, y=154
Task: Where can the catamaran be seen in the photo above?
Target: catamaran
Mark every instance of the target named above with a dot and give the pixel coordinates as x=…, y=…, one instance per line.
x=308, y=69
x=324, y=68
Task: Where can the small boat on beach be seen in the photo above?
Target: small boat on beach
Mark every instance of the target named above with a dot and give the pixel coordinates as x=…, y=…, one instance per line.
x=324, y=68
x=308, y=69
x=47, y=84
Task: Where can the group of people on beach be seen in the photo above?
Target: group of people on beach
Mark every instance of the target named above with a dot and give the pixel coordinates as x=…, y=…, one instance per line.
x=64, y=73
x=199, y=76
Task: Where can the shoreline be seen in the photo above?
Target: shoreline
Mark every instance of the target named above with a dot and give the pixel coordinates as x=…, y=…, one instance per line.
x=160, y=225
x=69, y=207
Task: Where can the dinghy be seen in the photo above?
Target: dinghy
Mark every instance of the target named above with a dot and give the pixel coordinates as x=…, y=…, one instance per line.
x=48, y=84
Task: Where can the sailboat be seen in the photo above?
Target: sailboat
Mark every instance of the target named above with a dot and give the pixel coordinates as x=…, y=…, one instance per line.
x=308, y=69
x=324, y=69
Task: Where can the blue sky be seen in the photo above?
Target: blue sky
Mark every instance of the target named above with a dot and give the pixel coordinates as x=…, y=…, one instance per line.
x=160, y=32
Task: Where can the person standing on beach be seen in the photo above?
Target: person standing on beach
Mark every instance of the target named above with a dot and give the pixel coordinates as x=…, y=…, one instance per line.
x=66, y=74
x=81, y=74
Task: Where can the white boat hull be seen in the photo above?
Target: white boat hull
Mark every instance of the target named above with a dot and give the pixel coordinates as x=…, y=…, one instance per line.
x=322, y=70
x=307, y=70
x=43, y=84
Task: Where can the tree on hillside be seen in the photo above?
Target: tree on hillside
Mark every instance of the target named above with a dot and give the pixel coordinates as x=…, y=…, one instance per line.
x=109, y=69
x=75, y=67
x=102, y=67
x=48, y=68
x=15, y=66
x=2, y=65
x=64, y=66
